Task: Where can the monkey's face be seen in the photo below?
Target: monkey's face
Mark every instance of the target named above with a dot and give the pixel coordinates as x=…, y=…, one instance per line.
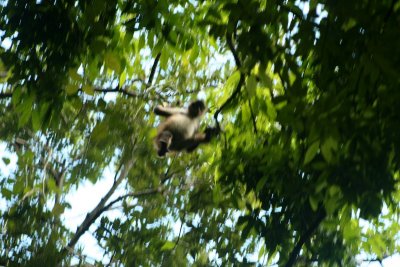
x=196, y=108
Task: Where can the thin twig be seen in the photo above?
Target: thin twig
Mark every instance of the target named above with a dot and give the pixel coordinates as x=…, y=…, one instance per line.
x=166, y=176
x=5, y=95
x=253, y=118
x=97, y=211
x=146, y=192
x=180, y=231
x=116, y=90
x=233, y=50
x=233, y=96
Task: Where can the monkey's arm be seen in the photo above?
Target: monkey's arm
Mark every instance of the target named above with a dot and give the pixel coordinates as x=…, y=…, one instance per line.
x=199, y=138
x=168, y=111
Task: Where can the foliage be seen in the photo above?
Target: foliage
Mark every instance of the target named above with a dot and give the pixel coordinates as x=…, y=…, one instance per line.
x=304, y=172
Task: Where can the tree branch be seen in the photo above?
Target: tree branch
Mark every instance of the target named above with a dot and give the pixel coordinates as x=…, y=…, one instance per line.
x=116, y=90
x=253, y=118
x=149, y=191
x=5, y=95
x=233, y=50
x=241, y=80
x=234, y=94
x=180, y=231
x=146, y=192
x=97, y=211
x=297, y=14
x=306, y=236
x=119, y=89
x=153, y=69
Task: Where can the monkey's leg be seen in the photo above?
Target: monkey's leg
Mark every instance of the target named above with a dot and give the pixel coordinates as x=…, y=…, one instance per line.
x=164, y=140
x=199, y=138
x=194, y=142
x=192, y=147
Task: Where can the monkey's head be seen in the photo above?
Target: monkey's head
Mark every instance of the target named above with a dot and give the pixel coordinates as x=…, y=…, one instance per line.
x=196, y=108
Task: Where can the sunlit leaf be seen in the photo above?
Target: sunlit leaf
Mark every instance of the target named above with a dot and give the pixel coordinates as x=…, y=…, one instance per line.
x=350, y=231
x=71, y=89
x=75, y=76
x=112, y=61
x=88, y=89
x=168, y=246
x=36, y=120
x=122, y=78
x=251, y=86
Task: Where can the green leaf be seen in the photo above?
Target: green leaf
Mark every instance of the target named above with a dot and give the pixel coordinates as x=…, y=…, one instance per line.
x=100, y=132
x=331, y=204
x=52, y=185
x=271, y=111
x=6, y=160
x=141, y=42
x=58, y=209
x=98, y=46
x=194, y=54
x=313, y=203
x=168, y=246
x=75, y=76
x=320, y=185
x=232, y=81
x=350, y=231
x=36, y=121
x=122, y=78
x=7, y=194
x=158, y=48
x=327, y=147
x=18, y=187
x=261, y=183
x=311, y=152
x=71, y=89
x=350, y=23
x=292, y=78
x=25, y=110
x=326, y=152
x=112, y=61
x=88, y=89
x=251, y=85
x=378, y=246
x=164, y=60
x=334, y=190
x=217, y=197
x=16, y=96
x=261, y=253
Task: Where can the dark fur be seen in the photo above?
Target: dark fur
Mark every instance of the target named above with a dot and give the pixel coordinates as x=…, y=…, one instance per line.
x=180, y=129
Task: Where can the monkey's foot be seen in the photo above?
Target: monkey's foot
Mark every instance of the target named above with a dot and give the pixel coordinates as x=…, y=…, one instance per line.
x=163, y=149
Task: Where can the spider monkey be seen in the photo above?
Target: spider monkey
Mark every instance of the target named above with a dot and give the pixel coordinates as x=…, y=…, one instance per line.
x=180, y=129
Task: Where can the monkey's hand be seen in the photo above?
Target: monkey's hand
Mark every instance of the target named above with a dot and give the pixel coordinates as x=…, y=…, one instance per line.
x=211, y=132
